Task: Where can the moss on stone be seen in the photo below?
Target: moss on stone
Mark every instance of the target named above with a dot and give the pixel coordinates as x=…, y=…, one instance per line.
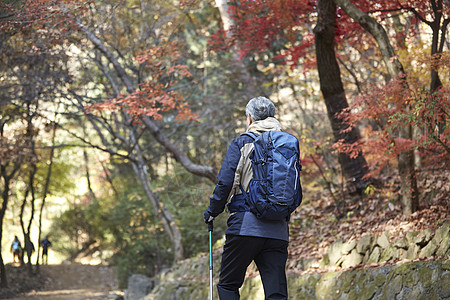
x=429, y=250
x=431, y=294
x=307, y=281
x=393, y=287
x=444, y=292
x=301, y=295
x=444, y=246
x=424, y=237
x=404, y=268
x=351, y=295
x=411, y=236
x=367, y=292
x=302, y=287
x=325, y=261
x=425, y=276
x=346, y=281
x=410, y=279
x=445, y=265
x=374, y=256
x=364, y=244
x=442, y=232
x=327, y=285
x=388, y=254
x=366, y=258
x=415, y=280
x=401, y=243
x=413, y=251
x=380, y=279
x=413, y=293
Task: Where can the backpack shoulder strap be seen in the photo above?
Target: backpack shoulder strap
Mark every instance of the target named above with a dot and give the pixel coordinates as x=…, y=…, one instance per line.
x=251, y=134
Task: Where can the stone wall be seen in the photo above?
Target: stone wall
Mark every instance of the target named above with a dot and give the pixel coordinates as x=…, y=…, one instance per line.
x=414, y=280
x=408, y=280
x=382, y=248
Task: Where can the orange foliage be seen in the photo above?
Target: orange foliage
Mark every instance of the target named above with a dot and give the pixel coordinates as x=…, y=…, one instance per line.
x=260, y=23
x=157, y=95
x=284, y=27
x=384, y=111
x=41, y=14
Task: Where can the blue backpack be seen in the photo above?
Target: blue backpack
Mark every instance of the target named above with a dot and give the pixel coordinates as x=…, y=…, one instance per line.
x=275, y=190
x=15, y=245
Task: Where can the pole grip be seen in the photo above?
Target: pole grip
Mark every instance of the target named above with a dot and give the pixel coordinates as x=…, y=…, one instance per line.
x=210, y=226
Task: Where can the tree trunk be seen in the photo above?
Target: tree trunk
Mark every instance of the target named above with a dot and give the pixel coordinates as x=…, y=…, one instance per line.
x=437, y=46
x=45, y=192
x=161, y=211
x=5, y=196
x=408, y=184
x=334, y=94
x=29, y=247
x=406, y=164
x=226, y=17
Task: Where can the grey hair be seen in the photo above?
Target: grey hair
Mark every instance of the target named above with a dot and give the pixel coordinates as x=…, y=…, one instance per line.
x=260, y=108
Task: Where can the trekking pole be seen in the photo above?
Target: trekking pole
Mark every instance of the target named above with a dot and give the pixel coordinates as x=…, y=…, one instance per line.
x=210, y=230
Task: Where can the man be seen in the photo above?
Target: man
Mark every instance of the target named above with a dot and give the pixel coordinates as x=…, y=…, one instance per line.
x=16, y=249
x=249, y=238
x=45, y=243
x=29, y=248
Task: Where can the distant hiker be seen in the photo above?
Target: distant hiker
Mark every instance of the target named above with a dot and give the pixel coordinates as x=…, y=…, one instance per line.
x=45, y=243
x=16, y=249
x=257, y=232
x=29, y=249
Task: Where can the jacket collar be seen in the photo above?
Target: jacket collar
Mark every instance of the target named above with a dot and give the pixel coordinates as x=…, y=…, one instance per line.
x=267, y=124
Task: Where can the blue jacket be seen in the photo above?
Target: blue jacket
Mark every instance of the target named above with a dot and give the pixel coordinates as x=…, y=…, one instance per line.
x=235, y=171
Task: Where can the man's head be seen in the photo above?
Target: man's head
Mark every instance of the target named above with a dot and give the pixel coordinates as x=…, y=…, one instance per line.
x=260, y=108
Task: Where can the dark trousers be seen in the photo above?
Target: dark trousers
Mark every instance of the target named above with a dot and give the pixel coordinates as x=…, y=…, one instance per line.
x=270, y=256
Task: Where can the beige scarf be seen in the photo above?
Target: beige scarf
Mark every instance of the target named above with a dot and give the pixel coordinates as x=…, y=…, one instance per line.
x=267, y=124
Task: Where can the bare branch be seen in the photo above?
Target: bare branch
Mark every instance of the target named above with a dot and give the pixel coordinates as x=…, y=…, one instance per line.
x=443, y=33
x=201, y=170
x=419, y=16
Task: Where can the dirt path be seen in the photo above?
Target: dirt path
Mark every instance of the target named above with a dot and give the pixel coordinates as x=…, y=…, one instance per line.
x=75, y=282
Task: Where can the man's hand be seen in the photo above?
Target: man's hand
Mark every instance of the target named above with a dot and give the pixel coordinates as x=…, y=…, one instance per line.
x=207, y=217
